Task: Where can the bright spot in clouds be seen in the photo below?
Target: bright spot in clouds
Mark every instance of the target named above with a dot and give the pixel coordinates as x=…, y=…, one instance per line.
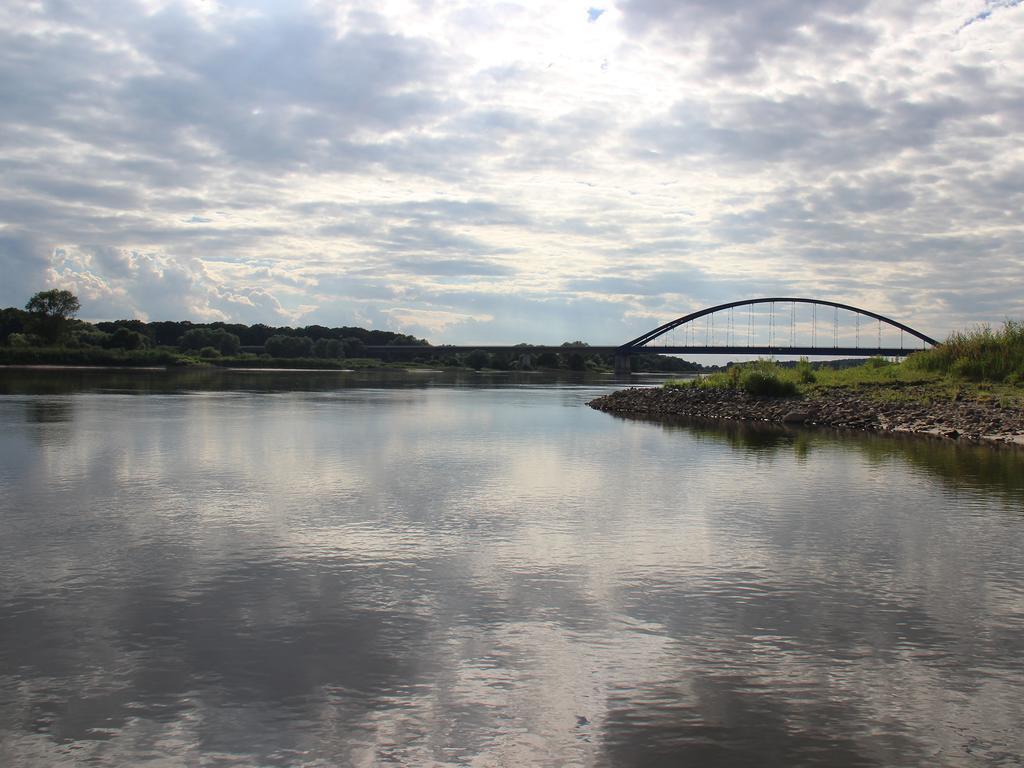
x=514, y=172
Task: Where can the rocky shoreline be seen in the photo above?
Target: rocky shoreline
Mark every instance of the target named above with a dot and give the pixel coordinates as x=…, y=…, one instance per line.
x=841, y=408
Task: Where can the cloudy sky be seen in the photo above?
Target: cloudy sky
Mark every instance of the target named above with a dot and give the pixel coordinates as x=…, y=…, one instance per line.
x=512, y=171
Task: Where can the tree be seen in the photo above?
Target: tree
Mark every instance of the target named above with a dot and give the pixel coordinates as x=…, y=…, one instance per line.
x=132, y=325
x=166, y=333
x=51, y=310
x=126, y=338
x=91, y=337
x=227, y=343
x=12, y=320
x=354, y=347
x=547, y=360
x=478, y=359
x=289, y=346
x=328, y=348
x=197, y=338
x=501, y=361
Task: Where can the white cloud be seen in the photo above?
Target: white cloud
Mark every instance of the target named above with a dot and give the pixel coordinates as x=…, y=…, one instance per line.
x=113, y=283
x=541, y=171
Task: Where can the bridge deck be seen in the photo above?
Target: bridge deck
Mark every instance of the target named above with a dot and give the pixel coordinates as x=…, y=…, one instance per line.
x=658, y=350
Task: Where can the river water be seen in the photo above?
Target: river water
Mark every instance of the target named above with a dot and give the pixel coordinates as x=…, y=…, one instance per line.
x=470, y=570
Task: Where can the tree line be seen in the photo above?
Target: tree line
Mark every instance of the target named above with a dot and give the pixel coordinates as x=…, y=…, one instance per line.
x=48, y=319
x=48, y=322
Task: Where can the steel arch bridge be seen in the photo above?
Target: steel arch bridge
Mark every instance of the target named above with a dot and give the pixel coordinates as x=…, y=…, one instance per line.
x=737, y=341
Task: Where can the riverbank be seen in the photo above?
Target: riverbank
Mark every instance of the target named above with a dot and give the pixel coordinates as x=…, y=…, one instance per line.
x=914, y=409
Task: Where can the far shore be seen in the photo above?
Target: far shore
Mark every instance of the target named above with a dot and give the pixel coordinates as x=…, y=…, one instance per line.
x=46, y=367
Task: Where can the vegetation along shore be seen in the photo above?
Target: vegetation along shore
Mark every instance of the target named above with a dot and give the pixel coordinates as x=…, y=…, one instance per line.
x=46, y=332
x=971, y=387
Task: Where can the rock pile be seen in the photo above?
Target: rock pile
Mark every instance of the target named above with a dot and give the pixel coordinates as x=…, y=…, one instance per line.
x=855, y=408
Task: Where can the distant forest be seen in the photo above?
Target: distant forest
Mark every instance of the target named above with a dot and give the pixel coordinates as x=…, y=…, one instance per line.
x=46, y=331
x=24, y=328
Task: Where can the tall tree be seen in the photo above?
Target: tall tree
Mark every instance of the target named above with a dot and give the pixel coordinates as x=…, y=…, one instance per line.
x=51, y=310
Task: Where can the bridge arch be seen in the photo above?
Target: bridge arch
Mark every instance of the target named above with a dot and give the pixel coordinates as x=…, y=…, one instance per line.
x=634, y=344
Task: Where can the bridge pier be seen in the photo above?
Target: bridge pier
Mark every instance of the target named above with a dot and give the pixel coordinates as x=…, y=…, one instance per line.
x=622, y=364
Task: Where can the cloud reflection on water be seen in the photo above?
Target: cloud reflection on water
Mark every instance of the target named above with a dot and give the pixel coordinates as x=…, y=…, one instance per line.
x=487, y=575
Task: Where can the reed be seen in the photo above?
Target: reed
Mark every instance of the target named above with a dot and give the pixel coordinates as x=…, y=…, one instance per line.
x=977, y=354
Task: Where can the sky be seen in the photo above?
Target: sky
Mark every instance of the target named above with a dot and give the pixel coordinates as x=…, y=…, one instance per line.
x=512, y=171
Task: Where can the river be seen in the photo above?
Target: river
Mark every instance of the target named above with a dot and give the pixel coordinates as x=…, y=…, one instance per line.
x=272, y=569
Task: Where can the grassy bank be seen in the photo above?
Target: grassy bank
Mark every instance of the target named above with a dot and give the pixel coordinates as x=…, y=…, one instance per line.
x=982, y=363
x=312, y=363
x=142, y=358
x=91, y=356
x=169, y=357
x=979, y=355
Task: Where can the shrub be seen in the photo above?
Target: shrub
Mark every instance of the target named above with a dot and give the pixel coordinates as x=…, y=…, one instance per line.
x=92, y=338
x=761, y=378
x=804, y=371
x=732, y=376
x=762, y=383
x=23, y=340
x=125, y=338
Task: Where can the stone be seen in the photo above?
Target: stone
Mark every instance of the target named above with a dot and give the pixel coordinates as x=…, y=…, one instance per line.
x=963, y=421
x=796, y=417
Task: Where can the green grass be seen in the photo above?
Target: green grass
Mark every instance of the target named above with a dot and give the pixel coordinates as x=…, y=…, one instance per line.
x=874, y=371
x=980, y=364
x=96, y=356
x=766, y=378
x=88, y=356
x=318, y=363
x=763, y=378
x=980, y=354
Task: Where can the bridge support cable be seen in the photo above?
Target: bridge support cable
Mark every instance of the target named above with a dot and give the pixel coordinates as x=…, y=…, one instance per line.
x=768, y=331
x=775, y=331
